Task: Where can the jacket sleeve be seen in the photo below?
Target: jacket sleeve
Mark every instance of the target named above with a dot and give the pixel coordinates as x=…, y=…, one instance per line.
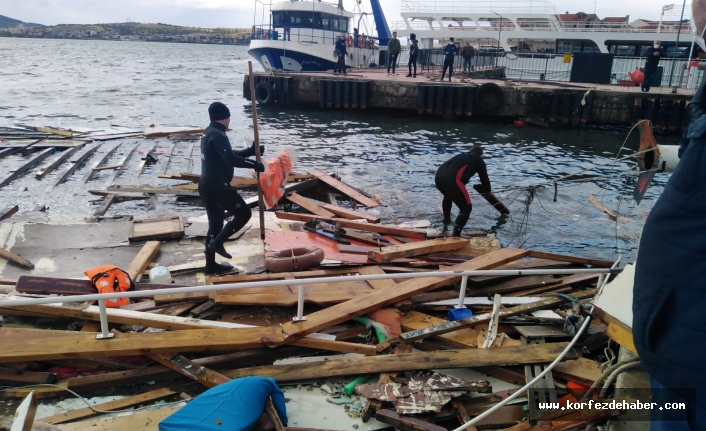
x=697, y=117
x=483, y=177
x=248, y=152
x=222, y=146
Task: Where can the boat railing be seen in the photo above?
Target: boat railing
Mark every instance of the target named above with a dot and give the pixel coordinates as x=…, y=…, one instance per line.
x=302, y=285
x=461, y=6
x=305, y=36
x=535, y=26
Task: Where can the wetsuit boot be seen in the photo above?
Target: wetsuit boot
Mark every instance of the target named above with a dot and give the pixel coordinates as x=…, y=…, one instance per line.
x=457, y=231
x=213, y=267
x=216, y=245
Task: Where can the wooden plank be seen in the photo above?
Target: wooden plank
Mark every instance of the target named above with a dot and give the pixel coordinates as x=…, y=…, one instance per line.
x=144, y=160
x=8, y=212
x=122, y=163
x=167, y=156
x=515, y=355
x=353, y=249
x=406, y=423
x=86, y=412
x=572, y=259
x=142, y=421
x=15, y=258
x=350, y=214
x=34, y=161
x=377, y=284
x=581, y=370
x=153, y=190
x=622, y=335
x=105, y=157
x=68, y=286
x=74, y=166
x=107, y=202
x=143, y=259
x=157, y=229
x=271, y=412
x=521, y=283
x=62, y=344
x=309, y=205
x=196, y=372
x=412, y=249
x=344, y=189
x=273, y=276
x=565, y=282
x=21, y=377
x=284, y=296
x=602, y=207
x=485, y=317
x=361, y=305
x=44, y=170
x=368, y=227
x=462, y=339
x=24, y=415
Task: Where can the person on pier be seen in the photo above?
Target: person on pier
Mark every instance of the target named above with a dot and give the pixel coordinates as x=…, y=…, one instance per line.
x=393, y=50
x=341, y=51
x=654, y=54
x=413, y=53
x=450, y=53
x=217, y=162
x=451, y=179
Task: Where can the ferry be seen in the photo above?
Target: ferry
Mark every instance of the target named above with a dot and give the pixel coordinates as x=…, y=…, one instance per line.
x=535, y=26
x=299, y=36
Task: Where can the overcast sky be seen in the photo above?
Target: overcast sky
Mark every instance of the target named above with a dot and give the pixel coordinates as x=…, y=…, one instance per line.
x=240, y=13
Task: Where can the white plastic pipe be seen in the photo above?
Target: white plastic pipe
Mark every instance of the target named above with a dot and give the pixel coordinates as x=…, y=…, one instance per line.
x=231, y=286
x=300, y=305
x=105, y=333
x=462, y=293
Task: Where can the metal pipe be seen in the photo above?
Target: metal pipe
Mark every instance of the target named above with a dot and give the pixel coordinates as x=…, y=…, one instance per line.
x=105, y=332
x=462, y=293
x=676, y=44
x=230, y=286
x=300, y=305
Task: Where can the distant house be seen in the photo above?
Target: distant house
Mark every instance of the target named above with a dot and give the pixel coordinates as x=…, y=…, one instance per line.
x=667, y=26
x=579, y=20
x=616, y=22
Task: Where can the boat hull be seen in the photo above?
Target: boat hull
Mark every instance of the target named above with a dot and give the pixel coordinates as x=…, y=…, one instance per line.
x=292, y=56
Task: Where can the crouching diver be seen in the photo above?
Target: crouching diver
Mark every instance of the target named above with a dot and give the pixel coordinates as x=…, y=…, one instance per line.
x=451, y=180
x=217, y=162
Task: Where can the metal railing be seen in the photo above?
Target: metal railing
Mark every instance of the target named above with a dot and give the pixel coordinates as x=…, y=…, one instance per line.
x=460, y=6
x=535, y=26
x=102, y=297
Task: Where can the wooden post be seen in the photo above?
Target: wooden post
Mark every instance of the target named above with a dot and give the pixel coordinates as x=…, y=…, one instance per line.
x=256, y=133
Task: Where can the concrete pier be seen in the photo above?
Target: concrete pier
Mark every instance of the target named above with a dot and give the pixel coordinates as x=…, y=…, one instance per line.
x=541, y=103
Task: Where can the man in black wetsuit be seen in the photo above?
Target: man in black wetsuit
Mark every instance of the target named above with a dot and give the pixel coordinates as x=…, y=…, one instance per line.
x=341, y=51
x=451, y=180
x=413, y=54
x=217, y=162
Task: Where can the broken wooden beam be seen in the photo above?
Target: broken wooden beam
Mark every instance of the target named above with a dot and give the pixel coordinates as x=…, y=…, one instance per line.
x=379, y=298
x=345, y=212
x=148, y=156
x=516, y=355
x=15, y=258
x=572, y=259
x=406, y=423
x=122, y=163
x=308, y=205
x=24, y=415
x=34, y=161
x=368, y=227
x=23, y=377
x=33, y=345
x=390, y=253
x=478, y=319
x=8, y=212
x=86, y=412
x=373, y=406
x=344, y=189
x=74, y=166
x=192, y=370
x=167, y=156
x=91, y=171
x=44, y=170
x=143, y=259
x=105, y=205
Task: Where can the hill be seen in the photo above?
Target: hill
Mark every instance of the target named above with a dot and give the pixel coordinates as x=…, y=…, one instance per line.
x=7, y=22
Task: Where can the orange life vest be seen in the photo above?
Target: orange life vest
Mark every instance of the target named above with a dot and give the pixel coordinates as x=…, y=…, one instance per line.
x=111, y=279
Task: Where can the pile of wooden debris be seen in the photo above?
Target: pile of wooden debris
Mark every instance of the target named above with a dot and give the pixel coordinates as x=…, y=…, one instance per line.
x=393, y=335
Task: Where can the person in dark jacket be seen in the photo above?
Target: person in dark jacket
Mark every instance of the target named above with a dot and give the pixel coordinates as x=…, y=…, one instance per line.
x=654, y=54
x=451, y=179
x=341, y=51
x=393, y=50
x=450, y=53
x=217, y=162
x=468, y=54
x=413, y=54
x=669, y=290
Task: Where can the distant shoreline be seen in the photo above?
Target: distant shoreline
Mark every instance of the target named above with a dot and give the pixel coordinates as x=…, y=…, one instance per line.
x=24, y=36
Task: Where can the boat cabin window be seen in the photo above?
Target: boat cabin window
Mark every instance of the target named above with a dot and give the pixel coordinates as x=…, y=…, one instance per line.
x=315, y=20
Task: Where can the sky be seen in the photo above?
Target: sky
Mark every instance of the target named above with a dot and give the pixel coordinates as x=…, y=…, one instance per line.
x=240, y=13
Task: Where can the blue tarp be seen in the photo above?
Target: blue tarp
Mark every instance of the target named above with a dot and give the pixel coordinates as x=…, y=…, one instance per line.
x=232, y=406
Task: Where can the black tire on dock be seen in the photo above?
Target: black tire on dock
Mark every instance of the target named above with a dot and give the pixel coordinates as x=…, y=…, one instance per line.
x=489, y=97
x=265, y=93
